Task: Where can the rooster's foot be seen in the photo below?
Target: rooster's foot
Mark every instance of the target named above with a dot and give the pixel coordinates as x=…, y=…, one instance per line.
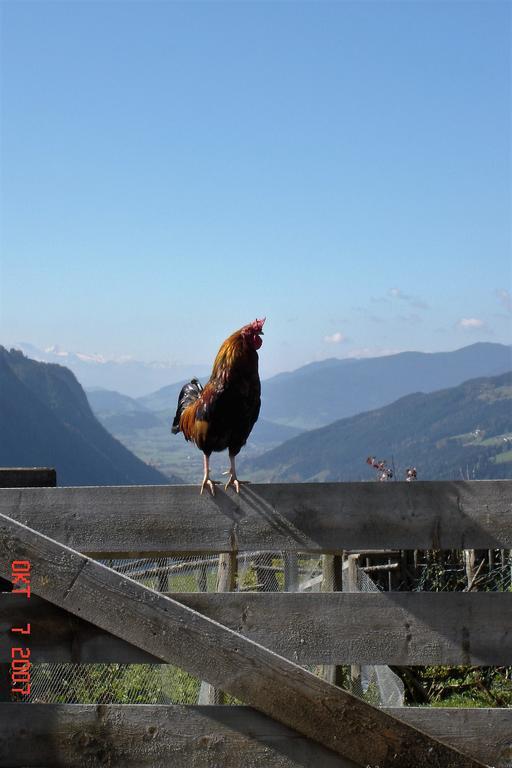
x=210, y=484
x=234, y=481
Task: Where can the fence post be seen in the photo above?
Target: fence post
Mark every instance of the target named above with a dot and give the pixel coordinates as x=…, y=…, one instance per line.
x=469, y=563
x=291, y=571
x=351, y=586
x=332, y=581
x=226, y=582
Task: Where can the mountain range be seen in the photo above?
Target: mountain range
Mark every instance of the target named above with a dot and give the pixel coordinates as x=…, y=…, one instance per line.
x=460, y=432
x=349, y=385
x=313, y=395
x=351, y=408
x=46, y=420
x=320, y=393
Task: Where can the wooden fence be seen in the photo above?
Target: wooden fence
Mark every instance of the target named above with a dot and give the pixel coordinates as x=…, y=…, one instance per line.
x=251, y=645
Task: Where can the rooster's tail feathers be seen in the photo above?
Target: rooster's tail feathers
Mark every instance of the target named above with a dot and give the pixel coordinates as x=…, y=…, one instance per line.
x=188, y=395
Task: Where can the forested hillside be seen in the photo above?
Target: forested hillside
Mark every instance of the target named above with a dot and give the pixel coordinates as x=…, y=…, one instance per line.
x=46, y=420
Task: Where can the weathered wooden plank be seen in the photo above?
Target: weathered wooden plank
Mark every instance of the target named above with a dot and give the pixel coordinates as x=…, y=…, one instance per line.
x=319, y=517
x=155, y=736
x=58, y=636
x=27, y=477
x=178, y=635
x=401, y=628
x=484, y=733
x=24, y=477
x=147, y=736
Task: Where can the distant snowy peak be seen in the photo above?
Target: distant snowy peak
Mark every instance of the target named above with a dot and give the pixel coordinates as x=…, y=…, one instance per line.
x=123, y=373
x=56, y=350
x=62, y=354
x=55, y=353
x=93, y=358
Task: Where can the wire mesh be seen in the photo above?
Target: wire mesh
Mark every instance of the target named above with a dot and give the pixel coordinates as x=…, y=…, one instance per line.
x=376, y=683
x=158, y=683
x=456, y=571
x=111, y=683
x=255, y=572
x=163, y=683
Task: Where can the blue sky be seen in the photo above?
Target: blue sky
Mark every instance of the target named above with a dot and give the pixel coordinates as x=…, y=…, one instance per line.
x=172, y=170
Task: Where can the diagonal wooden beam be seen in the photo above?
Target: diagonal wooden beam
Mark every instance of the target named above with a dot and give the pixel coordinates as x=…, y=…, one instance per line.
x=204, y=648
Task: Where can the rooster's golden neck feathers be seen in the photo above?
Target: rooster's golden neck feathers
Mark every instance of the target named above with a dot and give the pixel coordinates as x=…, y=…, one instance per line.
x=241, y=343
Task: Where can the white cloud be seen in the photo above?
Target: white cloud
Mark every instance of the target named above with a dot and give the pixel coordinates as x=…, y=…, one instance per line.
x=56, y=350
x=335, y=338
x=505, y=298
x=415, y=301
x=470, y=323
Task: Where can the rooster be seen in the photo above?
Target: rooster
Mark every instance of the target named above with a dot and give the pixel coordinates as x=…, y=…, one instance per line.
x=222, y=414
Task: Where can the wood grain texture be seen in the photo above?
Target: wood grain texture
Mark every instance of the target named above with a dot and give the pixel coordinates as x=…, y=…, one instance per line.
x=484, y=733
x=321, y=517
x=258, y=677
x=59, y=637
x=27, y=477
x=400, y=628
x=370, y=628
x=148, y=736
x=155, y=736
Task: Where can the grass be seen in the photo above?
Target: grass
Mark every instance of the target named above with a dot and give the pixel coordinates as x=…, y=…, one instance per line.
x=503, y=458
x=172, y=455
x=467, y=687
x=113, y=683
x=498, y=439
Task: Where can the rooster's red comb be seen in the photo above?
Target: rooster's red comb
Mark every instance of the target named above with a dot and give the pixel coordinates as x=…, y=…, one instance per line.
x=254, y=327
x=258, y=324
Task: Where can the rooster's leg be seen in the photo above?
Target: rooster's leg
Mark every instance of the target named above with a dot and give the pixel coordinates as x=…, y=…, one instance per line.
x=207, y=482
x=233, y=479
